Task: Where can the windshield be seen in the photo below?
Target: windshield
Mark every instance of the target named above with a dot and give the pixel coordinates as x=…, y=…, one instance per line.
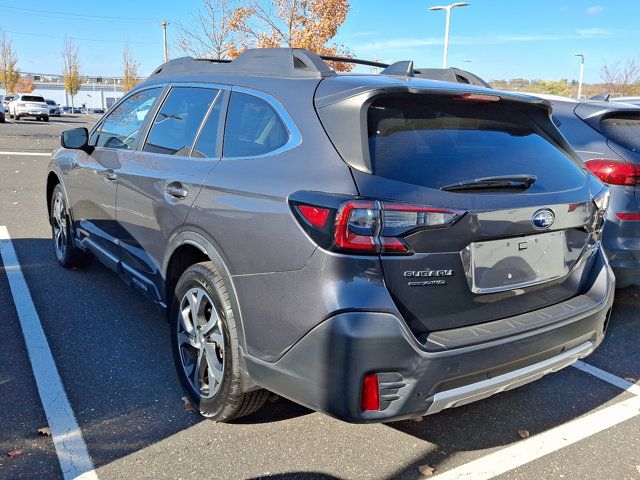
x=436, y=141
x=624, y=130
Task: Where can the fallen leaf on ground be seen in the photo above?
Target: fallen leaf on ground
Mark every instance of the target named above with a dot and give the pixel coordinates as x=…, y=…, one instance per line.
x=638, y=468
x=14, y=453
x=188, y=406
x=416, y=419
x=523, y=433
x=426, y=470
x=46, y=431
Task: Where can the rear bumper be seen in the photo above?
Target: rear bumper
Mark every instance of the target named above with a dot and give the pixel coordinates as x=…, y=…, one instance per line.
x=325, y=369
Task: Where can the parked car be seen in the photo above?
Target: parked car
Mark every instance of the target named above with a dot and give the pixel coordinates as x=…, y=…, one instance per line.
x=2, y=119
x=54, y=108
x=376, y=247
x=5, y=101
x=606, y=136
x=28, y=105
x=629, y=100
x=95, y=111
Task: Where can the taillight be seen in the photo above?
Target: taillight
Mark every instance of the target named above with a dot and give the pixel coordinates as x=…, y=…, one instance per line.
x=369, y=226
x=316, y=216
x=614, y=172
x=478, y=97
x=628, y=216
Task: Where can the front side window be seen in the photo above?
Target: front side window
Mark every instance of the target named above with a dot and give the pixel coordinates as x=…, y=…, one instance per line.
x=121, y=128
x=253, y=127
x=178, y=120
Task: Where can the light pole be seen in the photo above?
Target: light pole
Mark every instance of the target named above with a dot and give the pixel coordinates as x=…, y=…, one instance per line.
x=448, y=9
x=581, y=73
x=164, y=25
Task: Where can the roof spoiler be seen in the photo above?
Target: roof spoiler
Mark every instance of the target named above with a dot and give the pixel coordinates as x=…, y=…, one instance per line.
x=601, y=97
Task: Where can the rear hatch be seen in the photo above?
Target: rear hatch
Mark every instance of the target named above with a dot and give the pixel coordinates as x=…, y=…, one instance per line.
x=620, y=124
x=33, y=102
x=523, y=240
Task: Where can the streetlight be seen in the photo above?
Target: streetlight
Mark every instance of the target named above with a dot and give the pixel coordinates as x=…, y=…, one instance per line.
x=581, y=73
x=446, y=30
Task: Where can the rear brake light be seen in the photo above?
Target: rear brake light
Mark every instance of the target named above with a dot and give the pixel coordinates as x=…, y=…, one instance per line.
x=614, y=172
x=478, y=97
x=356, y=226
x=370, y=399
x=368, y=226
x=316, y=216
x=634, y=217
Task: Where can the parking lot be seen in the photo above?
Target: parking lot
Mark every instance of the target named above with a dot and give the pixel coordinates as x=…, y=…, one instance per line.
x=111, y=348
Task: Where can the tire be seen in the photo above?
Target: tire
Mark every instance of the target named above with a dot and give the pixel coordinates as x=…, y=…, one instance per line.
x=67, y=253
x=45, y=119
x=16, y=116
x=214, y=341
x=2, y=120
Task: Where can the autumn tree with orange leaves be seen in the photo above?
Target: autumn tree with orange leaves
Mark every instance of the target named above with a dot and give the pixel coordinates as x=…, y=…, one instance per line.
x=225, y=28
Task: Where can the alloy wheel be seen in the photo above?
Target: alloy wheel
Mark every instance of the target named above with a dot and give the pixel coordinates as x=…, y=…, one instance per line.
x=59, y=225
x=201, y=342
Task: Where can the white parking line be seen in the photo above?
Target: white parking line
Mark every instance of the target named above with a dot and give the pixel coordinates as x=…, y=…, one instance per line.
x=544, y=443
x=66, y=434
x=28, y=154
x=557, y=438
x=608, y=377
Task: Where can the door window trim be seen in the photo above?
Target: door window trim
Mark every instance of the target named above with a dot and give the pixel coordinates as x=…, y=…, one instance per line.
x=169, y=88
x=295, y=138
x=98, y=126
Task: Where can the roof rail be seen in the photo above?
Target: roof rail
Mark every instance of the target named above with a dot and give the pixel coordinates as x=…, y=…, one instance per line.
x=301, y=63
x=277, y=62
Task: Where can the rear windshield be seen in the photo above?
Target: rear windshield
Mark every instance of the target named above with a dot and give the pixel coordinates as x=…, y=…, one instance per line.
x=624, y=130
x=436, y=141
x=32, y=98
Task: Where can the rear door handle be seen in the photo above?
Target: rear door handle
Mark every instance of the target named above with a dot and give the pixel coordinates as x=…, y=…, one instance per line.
x=110, y=175
x=176, y=189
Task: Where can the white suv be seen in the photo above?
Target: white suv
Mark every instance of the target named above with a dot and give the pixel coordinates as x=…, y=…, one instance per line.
x=27, y=105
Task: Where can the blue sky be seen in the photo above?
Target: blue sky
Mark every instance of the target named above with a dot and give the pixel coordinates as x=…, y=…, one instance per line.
x=500, y=38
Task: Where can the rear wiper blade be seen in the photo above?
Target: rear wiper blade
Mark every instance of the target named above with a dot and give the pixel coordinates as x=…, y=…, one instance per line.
x=506, y=181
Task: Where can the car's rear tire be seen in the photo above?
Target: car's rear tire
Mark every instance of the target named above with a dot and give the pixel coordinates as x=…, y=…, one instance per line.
x=67, y=253
x=205, y=348
x=16, y=116
x=45, y=119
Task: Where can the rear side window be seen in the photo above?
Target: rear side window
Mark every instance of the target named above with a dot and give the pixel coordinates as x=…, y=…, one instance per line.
x=253, y=127
x=624, y=130
x=32, y=98
x=434, y=141
x=121, y=128
x=178, y=120
x=207, y=143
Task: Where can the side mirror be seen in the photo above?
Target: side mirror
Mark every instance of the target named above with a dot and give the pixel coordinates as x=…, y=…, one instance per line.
x=77, y=139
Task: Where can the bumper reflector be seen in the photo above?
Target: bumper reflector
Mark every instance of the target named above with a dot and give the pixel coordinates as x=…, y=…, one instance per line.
x=370, y=393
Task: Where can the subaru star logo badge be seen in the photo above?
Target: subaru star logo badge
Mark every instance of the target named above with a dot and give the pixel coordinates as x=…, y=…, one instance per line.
x=543, y=219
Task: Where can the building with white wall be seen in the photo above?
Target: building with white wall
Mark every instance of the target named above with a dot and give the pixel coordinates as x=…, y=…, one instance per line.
x=95, y=92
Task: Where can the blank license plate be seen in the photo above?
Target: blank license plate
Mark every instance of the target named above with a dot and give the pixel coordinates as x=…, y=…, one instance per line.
x=500, y=265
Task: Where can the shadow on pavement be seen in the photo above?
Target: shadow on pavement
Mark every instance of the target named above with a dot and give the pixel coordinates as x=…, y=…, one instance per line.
x=112, y=348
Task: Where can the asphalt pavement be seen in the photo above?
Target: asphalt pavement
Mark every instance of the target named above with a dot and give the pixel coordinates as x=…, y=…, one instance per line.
x=111, y=348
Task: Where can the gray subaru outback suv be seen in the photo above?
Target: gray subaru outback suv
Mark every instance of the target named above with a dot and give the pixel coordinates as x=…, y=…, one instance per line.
x=376, y=247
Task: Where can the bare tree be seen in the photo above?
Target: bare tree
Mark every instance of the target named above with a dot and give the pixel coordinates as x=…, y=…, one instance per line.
x=9, y=75
x=622, y=77
x=71, y=68
x=211, y=34
x=129, y=69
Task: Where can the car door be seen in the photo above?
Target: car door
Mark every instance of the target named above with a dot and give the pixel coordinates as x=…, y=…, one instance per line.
x=92, y=181
x=159, y=183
